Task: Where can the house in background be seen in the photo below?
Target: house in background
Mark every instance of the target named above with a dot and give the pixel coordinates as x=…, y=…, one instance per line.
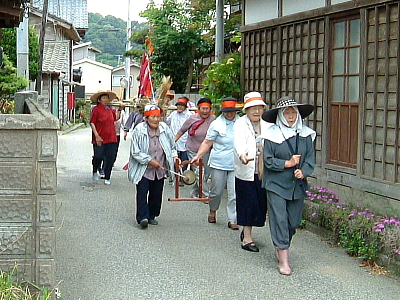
x=84, y=50
x=95, y=76
x=73, y=11
x=11, y=12
x=118, y=73
x=342, y=57
x=67, y=23
x=57, y=78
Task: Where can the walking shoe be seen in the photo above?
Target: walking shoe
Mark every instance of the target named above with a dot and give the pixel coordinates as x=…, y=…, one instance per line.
x=153, y=222
x=107, y=182
x=96, y=176
x=144, y=223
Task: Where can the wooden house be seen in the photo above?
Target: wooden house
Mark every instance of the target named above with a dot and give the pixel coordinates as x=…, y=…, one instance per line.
x=11, y=12
x=343, y=57
x=57, y=61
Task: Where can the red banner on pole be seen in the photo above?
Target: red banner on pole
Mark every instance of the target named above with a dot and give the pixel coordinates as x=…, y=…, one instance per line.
x=145, y=87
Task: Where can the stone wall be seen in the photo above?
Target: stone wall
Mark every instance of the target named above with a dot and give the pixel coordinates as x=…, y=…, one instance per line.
x=28, y=181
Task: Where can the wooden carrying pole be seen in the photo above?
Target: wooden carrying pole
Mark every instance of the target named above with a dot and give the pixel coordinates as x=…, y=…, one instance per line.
x=177, y=181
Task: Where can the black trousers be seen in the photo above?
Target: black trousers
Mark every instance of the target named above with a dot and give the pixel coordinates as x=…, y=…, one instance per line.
x=148, y=198
x=108, y=152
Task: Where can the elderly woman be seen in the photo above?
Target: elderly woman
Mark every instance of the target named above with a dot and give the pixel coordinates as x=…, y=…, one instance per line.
x=153, y=151
x=288, y=159
x=251, y=199
x=219, y=139
x=197, y=125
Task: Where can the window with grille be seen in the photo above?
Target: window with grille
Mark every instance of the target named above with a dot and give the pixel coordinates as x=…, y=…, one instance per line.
x=344, y=92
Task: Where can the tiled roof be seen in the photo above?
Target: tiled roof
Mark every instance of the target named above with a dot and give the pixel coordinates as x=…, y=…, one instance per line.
x=55, y=57
x=74, y=11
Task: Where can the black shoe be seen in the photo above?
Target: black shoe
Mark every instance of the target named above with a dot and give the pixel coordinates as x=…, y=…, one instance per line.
x=250, y=247
x=153, y=222
x=144, y=223
x=242, y=236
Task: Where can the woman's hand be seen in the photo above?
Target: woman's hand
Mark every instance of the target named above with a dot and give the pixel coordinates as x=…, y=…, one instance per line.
x=177, y=160
x=195, y=160
x=245, y=159
x=294, y=161
x=155, y=164
x=99, y=141
x=298, y=174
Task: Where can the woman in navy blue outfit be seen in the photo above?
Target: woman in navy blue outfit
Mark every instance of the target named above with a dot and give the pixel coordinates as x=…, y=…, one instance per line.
x=288, y=160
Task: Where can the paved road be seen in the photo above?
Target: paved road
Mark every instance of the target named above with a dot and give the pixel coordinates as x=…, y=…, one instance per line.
x=102, y=254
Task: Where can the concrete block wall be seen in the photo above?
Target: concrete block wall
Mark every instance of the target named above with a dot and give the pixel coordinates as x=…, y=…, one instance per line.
x=28, y=182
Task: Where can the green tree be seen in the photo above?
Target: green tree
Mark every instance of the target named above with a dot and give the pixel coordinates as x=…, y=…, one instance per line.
x=9, y=84
x=223, y=79
x=178, y=33
x=9, y=43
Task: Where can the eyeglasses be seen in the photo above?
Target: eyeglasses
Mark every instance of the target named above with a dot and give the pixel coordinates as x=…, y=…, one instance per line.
x=256, y=108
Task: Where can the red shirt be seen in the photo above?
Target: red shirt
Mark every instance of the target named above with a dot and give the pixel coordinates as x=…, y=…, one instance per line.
x=103, y=117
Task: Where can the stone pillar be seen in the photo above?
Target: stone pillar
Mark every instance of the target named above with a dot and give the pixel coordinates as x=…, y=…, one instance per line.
x=28, y=181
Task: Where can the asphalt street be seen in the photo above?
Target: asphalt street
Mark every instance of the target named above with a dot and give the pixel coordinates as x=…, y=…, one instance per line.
x=102, y=254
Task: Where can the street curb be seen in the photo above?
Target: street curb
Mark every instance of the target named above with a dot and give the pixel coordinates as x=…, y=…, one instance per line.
x=72, y=128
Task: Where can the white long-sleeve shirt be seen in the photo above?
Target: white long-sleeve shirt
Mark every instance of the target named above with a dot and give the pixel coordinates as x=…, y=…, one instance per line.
x=175, y=121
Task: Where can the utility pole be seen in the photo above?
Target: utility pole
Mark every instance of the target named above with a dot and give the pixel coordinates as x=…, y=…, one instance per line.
x=219, y=31
x=127, y=58
x=41, y=46
x=23, y=47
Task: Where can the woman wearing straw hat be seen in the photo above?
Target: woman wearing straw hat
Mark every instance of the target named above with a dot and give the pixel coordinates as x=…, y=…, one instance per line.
x=153, y=151
x=251, y=198
x=219, y=139
x=288, y=160
x=104, y=135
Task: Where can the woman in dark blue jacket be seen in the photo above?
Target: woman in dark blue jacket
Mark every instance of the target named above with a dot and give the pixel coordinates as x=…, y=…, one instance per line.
x=288, y=160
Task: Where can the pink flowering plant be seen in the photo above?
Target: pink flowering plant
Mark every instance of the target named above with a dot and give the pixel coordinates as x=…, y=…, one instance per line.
x=361, y=232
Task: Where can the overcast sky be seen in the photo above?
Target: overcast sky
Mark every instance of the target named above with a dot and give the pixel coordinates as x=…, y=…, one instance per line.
x=119, y=8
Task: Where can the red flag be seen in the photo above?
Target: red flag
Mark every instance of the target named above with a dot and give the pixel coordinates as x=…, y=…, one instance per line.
x=145, y=86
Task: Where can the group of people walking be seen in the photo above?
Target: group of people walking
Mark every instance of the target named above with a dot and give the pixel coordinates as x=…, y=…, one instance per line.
x=262, y=158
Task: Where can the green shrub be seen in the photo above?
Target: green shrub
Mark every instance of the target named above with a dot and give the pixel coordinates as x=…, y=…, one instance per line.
x=82, y=111
x=223, y=80
x=358, y=230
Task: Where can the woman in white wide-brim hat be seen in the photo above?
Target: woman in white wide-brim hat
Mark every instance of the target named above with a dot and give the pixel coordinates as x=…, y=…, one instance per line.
x=288, y=160
x=251, y=199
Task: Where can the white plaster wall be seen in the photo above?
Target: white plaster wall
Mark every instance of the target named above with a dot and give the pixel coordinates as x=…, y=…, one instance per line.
x=338, y=1
x=95, y=77
x=294, y=6
x=259, y=10
x=263, y=10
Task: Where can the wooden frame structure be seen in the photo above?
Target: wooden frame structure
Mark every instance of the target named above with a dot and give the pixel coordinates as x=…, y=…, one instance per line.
x=177, y=187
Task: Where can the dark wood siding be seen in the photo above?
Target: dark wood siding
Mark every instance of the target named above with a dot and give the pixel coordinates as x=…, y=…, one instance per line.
x=295, y=61
x=288, y=60
x=381, y=148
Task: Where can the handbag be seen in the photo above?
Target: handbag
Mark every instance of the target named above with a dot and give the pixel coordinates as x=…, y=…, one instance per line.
x=261, y=165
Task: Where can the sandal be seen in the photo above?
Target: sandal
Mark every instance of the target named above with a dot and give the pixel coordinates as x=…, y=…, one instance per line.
x=233, y=226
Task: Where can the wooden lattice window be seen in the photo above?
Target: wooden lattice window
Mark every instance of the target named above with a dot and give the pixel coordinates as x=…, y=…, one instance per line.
x=344, y=92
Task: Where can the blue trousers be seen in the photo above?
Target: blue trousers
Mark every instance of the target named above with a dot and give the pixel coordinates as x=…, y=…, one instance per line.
x=148, y=198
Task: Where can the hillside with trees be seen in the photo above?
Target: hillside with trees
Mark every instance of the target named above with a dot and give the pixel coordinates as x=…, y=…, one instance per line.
x=108, y=34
